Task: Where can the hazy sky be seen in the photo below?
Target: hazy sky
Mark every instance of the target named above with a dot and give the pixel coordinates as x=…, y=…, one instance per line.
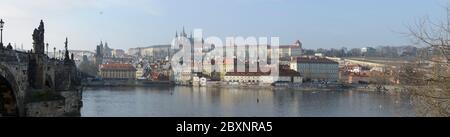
x=132, y=23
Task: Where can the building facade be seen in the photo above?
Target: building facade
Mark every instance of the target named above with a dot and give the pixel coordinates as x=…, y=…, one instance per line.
x=117, y=72
x=285, y=75
x=248, y=77
x=316, y=68
x=118, y=53
x=156, y=51
x=288, y=51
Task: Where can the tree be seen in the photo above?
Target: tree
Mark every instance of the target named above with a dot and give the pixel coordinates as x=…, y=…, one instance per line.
x=88, y=67
x=430, y=86
x=355, y=52
x=343, y=51
x=309, y=52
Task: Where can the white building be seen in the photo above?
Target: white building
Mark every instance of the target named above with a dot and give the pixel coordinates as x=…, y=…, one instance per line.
x=288, y=51
x=285, y=75
x=184, y=77
x=247, y=77
x=158, y=51
x=316, y=68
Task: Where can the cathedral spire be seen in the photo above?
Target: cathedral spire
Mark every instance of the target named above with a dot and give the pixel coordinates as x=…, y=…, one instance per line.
x=176, y=34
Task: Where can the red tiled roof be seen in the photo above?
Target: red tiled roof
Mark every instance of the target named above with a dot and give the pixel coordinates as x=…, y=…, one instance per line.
x=315, y=60
x=117, y=67
x=288, y=72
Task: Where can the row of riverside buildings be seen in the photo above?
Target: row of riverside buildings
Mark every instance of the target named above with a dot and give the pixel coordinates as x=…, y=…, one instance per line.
x=300, y=69
x=311, y=68
x=293, y=66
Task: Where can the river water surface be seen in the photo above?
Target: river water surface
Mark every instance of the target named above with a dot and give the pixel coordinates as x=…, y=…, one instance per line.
x=231, y=102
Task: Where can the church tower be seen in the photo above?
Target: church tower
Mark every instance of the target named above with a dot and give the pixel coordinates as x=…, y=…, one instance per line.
x=99, y=54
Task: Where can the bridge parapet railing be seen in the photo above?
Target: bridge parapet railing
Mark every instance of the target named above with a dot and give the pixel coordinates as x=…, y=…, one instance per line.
x=12, y=56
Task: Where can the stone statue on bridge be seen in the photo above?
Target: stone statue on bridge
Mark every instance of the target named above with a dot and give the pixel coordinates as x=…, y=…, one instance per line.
x=38, y=39
x=47, y=88
x=66, y=57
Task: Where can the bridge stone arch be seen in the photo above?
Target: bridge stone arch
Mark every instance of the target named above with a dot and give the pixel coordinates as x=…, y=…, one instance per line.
x=9, y=89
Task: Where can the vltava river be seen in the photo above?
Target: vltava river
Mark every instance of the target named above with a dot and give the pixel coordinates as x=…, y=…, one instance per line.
x=230, y=102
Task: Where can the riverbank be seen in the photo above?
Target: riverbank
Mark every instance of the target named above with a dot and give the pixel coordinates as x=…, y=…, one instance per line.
x=385, y=89
x=291, y=86
x=388, y=89
x=123, y=83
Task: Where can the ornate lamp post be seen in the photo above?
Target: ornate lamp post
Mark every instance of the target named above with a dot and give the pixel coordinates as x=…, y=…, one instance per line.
x=1, y=32
x=47, y=48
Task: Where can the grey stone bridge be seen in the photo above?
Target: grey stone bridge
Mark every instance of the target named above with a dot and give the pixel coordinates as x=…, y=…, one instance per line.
x=32, y=84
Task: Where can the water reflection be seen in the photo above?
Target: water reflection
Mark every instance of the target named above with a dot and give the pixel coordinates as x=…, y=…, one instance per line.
x=229, y=102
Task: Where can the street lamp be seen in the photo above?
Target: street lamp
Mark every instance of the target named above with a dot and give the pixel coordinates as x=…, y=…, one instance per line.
x=1, y=32
x=47, y=49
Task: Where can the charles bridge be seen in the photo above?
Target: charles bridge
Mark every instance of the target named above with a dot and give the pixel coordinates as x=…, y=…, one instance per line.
x=33, y=84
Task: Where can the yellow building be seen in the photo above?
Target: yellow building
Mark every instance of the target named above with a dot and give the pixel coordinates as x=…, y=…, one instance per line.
x=117, y=72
